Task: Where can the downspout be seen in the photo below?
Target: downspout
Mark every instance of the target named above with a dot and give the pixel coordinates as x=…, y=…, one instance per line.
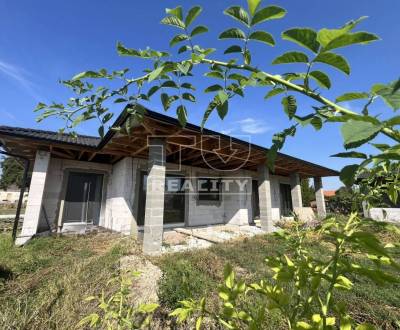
x=21, y=193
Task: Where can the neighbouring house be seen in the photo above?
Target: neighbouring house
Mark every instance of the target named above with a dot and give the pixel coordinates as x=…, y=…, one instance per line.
x=160, y=175
x=10, y=195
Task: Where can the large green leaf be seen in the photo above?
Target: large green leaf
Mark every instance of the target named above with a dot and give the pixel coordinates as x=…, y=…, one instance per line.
x=177, y=12
x=173, y=21
x=155, y=73
x=192, y=14
x=88, y=74
x=325, y=36
x=335, y=60
x=239, y=14
x=262, y=36
x=268, y=13
x=274, y=92
x=233, y=33
x=253, y=5
x=350, y=154
x=392, y=99
x=233, y=49
x=182, y=114
x=351, y=96
x=123, y=51
x=291, y=57
x=289, y=106
x=304, y=37
x=396, y=86
x=177, y=39
x=213, y=88
x=347, y=174
x=198, y=29
x=356, y=133
x=321, y=78
x=351, y=39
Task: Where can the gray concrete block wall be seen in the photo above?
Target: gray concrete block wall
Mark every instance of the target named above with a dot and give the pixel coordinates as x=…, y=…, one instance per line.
x=319, y=197
x=35, y=197
x=264, y=194
x=297, y=200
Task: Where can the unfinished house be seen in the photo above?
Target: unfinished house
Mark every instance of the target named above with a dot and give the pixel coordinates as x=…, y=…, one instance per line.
x=158, y=176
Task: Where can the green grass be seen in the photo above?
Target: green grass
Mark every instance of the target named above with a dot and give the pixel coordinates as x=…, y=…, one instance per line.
x=43, y=285
x=367, y=302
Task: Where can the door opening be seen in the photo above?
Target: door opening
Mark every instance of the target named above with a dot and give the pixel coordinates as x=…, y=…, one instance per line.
x=83, y=198
x=174, y=199
x=286, y=200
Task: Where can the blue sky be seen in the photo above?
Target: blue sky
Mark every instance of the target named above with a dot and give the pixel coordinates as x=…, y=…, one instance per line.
x=45, y=41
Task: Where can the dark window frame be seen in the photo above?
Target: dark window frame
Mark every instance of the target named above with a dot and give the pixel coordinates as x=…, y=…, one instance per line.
x=210, y=195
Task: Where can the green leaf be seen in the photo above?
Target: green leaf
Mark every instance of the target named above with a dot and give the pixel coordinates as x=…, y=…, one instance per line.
x=253, y=5
x=233, y=33
x=192, y=14
x=233, y=49
x=229, y=276
x=210, y=108
x=289, y=105
x=169, y=84
x=291, y=57
x=247, y=57
x=182, y=114
x=167, y=100
x=316, y=122
x=365, y=326
x=173, y=21
x=325, y=36
x=262, y=36
x=177, y=12
x=386, y=93
x=222, y=109
x=356, y=133
x=393, y=121
x=396, y=86
x=188, y=86
x=178, y=38
x=350, y=154
x=189, y=97
x=347, y=174
x=273, y=92
x=351, y=39
x=155, y=73
x=239, y=14
x=183, y=67
x=351, y=96
x=214, y=74
x=321, y=78
x=88, y=74
x=213, y=88
x=304, y=37
x=222, y=96
x=268, y=13
x=335, y=60
x=183, y=49
x=123, y=51
x=147, y=308
x=198, y=30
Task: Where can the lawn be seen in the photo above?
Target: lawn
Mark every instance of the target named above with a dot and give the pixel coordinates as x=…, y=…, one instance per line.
x=196, y=274
x=43, y=285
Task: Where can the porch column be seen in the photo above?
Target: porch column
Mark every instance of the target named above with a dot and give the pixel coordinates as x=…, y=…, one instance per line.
x=154, y=214
x=319, y=197
x=35, y=197
x=264, y=196
x=295, y=185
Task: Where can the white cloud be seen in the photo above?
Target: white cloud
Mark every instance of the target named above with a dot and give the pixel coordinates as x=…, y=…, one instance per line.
x=252, y=126
x=20, y=76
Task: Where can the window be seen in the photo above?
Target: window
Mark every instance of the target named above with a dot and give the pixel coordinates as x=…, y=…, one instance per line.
x=209, y=189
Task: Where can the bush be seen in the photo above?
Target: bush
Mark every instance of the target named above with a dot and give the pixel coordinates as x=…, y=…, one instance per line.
x=180, y=281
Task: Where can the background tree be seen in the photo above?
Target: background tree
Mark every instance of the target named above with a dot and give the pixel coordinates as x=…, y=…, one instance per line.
x=307, y=192
x=12, y=172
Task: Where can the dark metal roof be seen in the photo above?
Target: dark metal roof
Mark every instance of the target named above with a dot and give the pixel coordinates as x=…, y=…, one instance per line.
x=81, y=140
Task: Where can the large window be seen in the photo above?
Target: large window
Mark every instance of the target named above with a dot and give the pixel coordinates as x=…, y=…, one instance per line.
x=209, y=189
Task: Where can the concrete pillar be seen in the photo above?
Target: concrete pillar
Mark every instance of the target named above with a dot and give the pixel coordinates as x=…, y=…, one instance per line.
x=265, y=198
x=154, y=212
x=319, y=197
x=295, y=185
x=35, y=197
